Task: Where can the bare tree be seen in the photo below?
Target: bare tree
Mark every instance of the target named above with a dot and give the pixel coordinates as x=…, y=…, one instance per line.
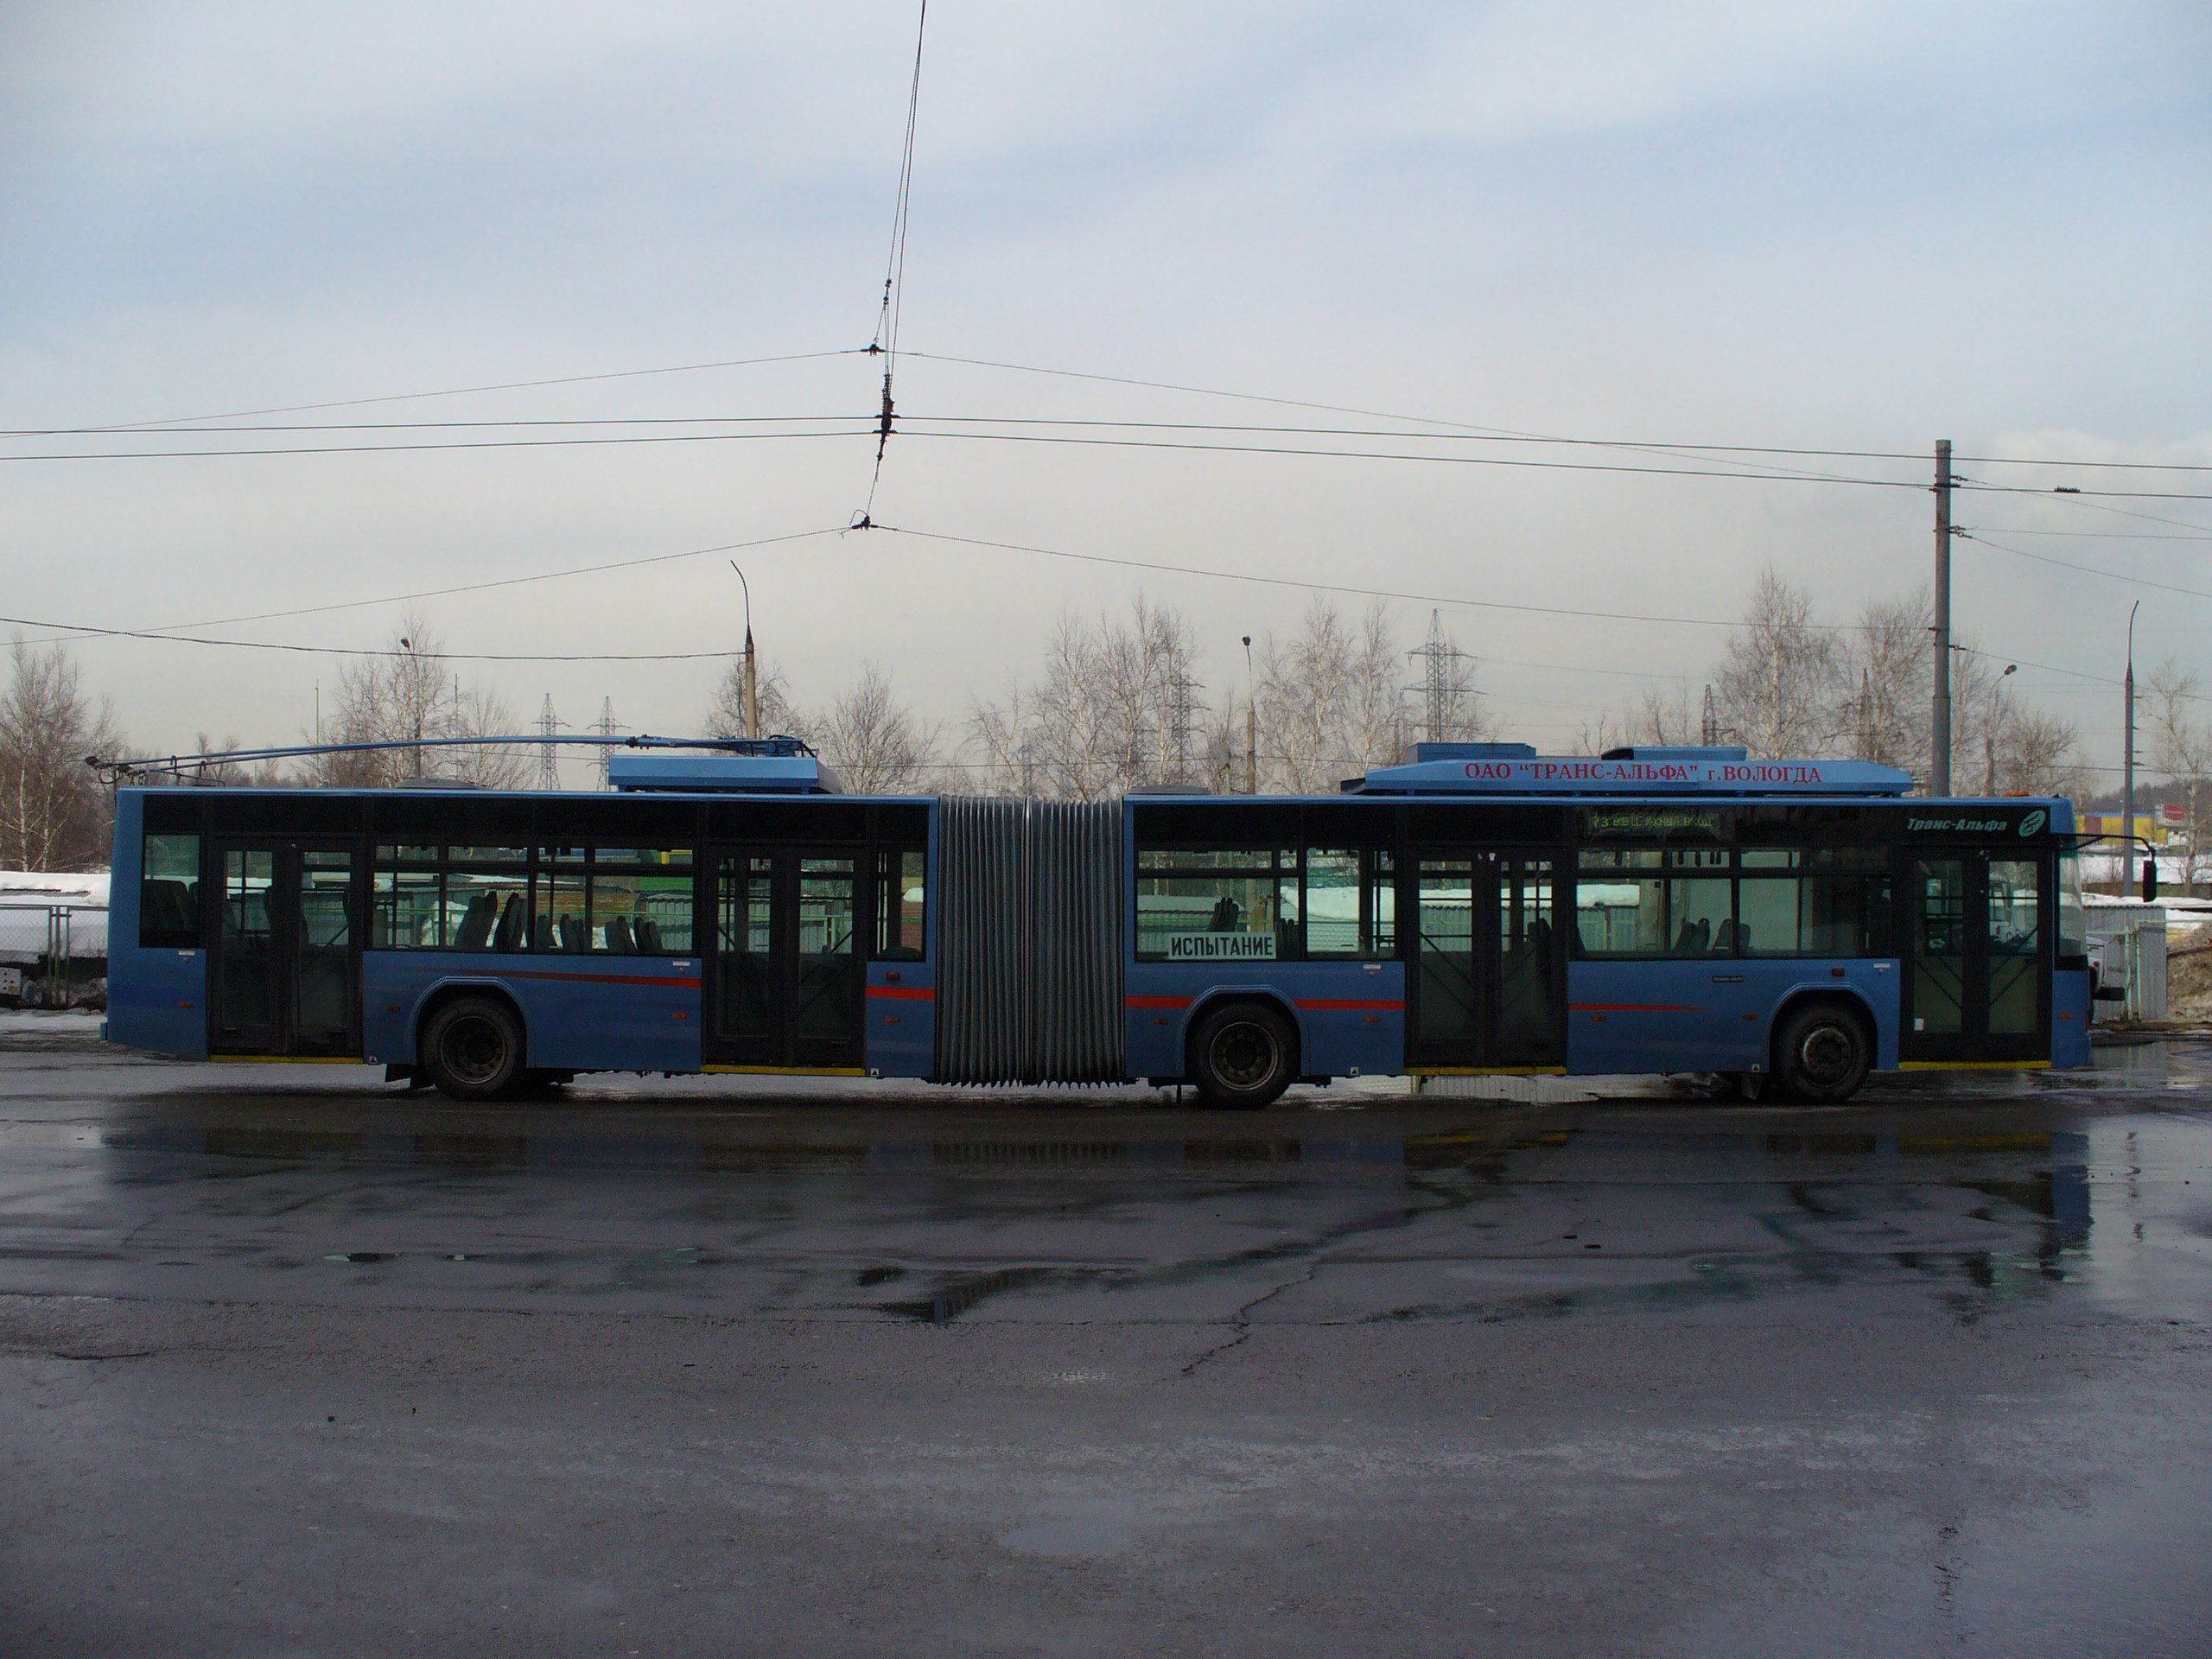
x=2181, y=747
x=779, y=715
x=1887, y=672
x=1116, y=707
x=877, y=743
x=54, y=813
x=1332, y=700
x=1779, y=682
x=409, y=696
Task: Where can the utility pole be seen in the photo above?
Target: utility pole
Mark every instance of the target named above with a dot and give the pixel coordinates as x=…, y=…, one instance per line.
x=751, y=667
x=2128, y=761
x=1252, y=727
x=1708, y=725
x=549, y=762
x=1939, y=746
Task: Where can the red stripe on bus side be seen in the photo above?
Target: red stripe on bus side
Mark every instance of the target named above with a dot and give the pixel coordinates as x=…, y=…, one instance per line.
x=603, y=978
x=1634, y=1007
x=1350, y=1003
x=1156, y=1001
x=910, y=993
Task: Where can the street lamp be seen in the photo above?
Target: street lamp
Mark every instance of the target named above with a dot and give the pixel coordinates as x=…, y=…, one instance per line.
x=2127, y=763
x=1252, y=727
x=752, y=707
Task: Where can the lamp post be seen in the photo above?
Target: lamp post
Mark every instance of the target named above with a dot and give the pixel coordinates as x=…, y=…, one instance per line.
x=414, y=701
x=1252, y=727
x=2128, y=761
x=751, y=710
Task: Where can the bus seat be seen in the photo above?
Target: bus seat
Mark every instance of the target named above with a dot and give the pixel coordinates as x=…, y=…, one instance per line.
x=509, y=938
x=620, y=939
x=1724, y=941
x=648, y=936
x=574, y=935
x=541, y=936
x=166, y=907
x=475, y=930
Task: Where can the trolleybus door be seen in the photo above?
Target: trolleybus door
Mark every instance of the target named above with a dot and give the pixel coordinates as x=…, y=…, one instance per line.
x=785, y=984
x=1487, y=973
x=286, y=962
x=1975, y=983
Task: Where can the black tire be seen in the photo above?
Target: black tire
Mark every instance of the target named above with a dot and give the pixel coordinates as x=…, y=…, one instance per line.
x=1822, y=1054
x=473, y=1050
x=1244, y=1055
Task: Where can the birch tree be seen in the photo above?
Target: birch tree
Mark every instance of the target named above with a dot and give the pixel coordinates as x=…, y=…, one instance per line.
x=54, y=811
x=2181, y=747
x=1778, y=680
x=779, y=715
x=1332, y=700
x=1115, y=708
x=411, y=696
x=877, y=743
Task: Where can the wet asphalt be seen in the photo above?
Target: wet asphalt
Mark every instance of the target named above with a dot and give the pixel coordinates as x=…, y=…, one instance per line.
x=293, y=1363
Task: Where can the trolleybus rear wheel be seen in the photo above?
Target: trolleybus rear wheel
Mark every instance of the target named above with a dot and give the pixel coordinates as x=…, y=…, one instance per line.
x=1244, y=1055
x=1822, y=1054
x=473, y=1049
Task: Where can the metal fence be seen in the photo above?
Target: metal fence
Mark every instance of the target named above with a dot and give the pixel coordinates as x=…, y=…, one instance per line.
x=55, y=955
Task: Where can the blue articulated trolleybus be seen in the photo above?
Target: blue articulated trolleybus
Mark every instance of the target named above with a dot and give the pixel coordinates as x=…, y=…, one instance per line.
x=1784, y=927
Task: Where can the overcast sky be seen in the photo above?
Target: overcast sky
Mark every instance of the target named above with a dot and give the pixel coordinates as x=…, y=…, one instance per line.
x=1828, y=225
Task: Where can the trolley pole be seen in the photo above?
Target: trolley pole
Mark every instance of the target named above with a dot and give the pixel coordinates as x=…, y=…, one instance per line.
x=1939, y=747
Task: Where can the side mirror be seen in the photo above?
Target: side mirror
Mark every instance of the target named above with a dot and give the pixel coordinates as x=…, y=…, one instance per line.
x=2151, y=881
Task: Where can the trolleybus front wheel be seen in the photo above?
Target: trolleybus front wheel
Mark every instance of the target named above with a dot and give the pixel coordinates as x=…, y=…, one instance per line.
x=473, y=1050
x=1822, y=1054
x=1244, y=1055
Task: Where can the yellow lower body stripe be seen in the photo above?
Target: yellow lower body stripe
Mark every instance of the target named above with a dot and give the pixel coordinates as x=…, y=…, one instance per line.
x=791, y=1071
x=1973, y=1065
x=289, y=1060
x=1485, y=1070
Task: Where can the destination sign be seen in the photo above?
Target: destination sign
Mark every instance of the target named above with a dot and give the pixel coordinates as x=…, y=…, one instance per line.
x=1221, y=947
x=1657, y=776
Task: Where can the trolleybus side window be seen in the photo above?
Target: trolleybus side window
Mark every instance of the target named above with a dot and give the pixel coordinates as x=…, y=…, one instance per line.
x=1764, y=901
x=2015, y=943
x=168, y=892
x=611, y=900
x=901, y=903
x=2073, y=919
x=1265, y=903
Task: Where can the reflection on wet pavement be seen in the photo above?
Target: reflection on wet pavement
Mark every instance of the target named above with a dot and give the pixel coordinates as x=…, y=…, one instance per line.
x=1974, y=1192
x=979, y=1372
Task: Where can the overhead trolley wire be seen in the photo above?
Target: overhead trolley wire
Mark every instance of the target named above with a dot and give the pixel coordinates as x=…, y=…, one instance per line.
x=885, y=340
x=1514, y=435
x=464, y=391
x=453, y=426
x=417, y=448
x=1772, y=476
x=502, y=582
x=1310, y=587
x=84, y=629
x=2085, y=569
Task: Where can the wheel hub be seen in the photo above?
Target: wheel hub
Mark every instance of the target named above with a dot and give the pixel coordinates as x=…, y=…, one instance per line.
x=1244, y=1055
x=475, y=1050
